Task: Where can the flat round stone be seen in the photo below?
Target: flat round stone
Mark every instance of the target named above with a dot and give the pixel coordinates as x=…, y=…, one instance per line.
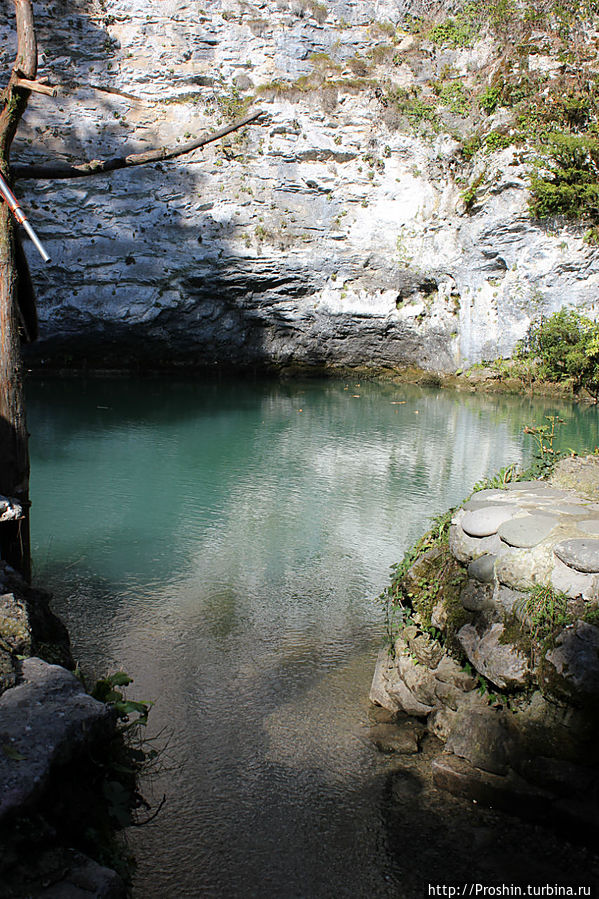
x=528, y=530
x=580, y=553
x=485, y=522
x=488, y=493
x=568, y=509
x=474, y=503
x=589, y=525
x=536, y=487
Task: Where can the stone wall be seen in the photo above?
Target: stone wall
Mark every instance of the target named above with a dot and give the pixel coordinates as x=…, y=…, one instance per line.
x=332, y=234
x=510, y=682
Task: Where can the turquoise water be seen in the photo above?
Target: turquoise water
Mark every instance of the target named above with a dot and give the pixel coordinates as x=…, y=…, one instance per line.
x=224, y=543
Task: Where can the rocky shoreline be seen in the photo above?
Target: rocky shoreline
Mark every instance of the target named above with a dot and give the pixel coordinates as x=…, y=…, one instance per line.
x=498, y=652
x=56, y=743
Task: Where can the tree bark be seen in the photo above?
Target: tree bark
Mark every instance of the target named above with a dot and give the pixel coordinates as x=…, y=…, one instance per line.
x=14, y=454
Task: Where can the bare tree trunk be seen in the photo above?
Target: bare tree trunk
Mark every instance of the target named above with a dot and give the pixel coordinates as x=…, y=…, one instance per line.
x=14, y=455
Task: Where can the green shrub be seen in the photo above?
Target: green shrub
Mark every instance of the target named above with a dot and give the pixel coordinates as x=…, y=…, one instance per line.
x=458, y=32
x=567, y=345
x=489, y=99
x=569, y=186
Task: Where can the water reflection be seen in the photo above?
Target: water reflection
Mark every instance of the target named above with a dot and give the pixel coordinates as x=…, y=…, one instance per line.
x=224, y=543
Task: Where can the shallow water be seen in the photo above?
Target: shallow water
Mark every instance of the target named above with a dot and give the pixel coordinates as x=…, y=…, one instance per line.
x=224, y=543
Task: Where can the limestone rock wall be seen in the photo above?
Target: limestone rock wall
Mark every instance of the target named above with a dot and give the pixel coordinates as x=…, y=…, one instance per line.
x=334, y=233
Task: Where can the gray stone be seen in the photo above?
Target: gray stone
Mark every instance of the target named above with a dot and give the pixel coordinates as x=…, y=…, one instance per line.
x=426, y=649
x=86, y=880
x=439, y=616
x=485, y=522
x=474, y=504
x=406, y=701
x=419, y=679
x=540, y=488
x=448, y=671
x=465, y=548
x=45, y=720
x=521, y=569
x=569, y=509
x=475, y=597
x=575, y=660
x=403, y=737
x=483, y=737
x=511, y=793
x=578, y=473
x=589, y=526
x=527, y=531
x=483, y=569
x=581, y=554
x=378, y=689
x=574, y=583
x=440, y=721
x=501, y=663
x=507, y=599
x=448, y=695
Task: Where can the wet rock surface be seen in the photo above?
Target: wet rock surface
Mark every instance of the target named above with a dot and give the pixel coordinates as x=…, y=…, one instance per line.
x=47, y=719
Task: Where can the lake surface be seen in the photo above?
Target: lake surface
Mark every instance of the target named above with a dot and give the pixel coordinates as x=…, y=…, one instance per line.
x=224, y=542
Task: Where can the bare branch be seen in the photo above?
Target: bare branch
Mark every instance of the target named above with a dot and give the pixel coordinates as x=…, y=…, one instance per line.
x=37, y=86
x=100, y=166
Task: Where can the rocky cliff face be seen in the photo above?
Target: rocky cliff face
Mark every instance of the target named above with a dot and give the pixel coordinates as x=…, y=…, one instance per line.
x=337, y=232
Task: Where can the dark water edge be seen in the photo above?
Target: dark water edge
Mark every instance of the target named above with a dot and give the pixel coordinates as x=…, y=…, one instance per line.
x=224, y=544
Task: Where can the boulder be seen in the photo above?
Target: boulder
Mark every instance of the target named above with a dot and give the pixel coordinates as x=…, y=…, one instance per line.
x=378, y=689
x=476, y=597
x=511, y=793
x=44, y=721
x=484, y=738
x=521, y=569
x=401, y=738
x=483, y=569
x=578, y=473
x=465, y=548
x=426, y=650
x=572, y=666
x=501, y=663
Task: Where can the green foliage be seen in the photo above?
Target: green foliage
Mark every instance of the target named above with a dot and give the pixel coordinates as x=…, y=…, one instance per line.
x=567, y=345
x=506, y=475
x=105, y=690
x=469, y=195
x=409, y=103
x=569, y=183
x=495, y=140
x=489, y=99
x=458, y=32
x=545, y=613
x=454, y=95
x=397, y=602
x=544, y=436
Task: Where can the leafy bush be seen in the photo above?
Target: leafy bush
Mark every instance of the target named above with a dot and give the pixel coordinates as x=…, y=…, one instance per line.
x=567, y=345
x=570, y=185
